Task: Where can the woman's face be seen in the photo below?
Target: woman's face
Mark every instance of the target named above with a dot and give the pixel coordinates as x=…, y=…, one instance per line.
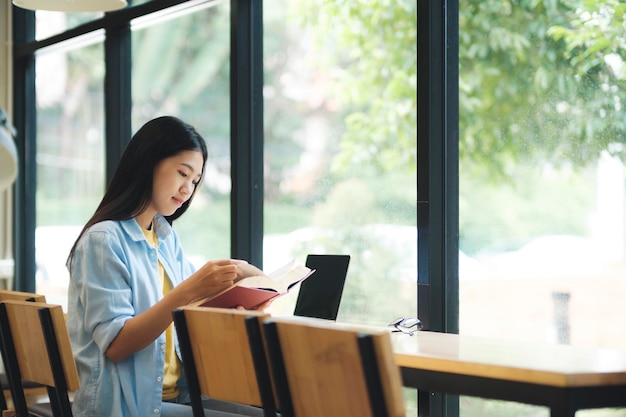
x=175, y=179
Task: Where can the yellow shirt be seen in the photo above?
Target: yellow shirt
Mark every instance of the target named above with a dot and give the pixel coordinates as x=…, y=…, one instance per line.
x=172, y=371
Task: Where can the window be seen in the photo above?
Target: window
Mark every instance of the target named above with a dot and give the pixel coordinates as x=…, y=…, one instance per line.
x=541, y=177
x=340, y=142
x=70, y=155
x=339, y=135
x=193, y=85
x=340, y=159
x=53, y=23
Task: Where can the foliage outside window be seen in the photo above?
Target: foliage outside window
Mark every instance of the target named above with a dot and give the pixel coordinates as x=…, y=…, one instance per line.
x=541, y=86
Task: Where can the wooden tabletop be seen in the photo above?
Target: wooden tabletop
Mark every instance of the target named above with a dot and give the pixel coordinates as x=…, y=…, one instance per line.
x=546, y=364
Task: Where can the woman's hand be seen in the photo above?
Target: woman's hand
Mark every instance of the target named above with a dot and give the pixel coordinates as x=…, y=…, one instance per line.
x=139, y=331
x=263, y=306
x=212, y=277
x=244, y=269
x=260, y=307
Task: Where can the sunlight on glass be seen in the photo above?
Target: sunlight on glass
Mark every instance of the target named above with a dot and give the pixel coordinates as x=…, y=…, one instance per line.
x=194, y=86
x=70, y=157
x=340, y=129
x=52, y=23
x=541, y=177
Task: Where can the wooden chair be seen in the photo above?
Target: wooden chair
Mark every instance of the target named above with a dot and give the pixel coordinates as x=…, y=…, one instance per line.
x=224, y=357
x=21, y=296
x=31, y=389
x=321, y=368
x=36, y=347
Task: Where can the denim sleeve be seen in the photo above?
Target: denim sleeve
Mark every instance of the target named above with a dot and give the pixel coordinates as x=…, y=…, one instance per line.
x=103, y=286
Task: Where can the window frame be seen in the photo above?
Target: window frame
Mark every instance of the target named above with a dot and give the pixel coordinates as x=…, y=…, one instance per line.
x=437, y=143
x=438, y=180
x=246, y=118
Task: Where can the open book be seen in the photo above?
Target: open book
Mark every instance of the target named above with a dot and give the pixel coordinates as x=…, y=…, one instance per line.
x=252, y=291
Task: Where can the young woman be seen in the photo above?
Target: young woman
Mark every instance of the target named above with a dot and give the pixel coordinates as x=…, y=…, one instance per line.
x=128, y=273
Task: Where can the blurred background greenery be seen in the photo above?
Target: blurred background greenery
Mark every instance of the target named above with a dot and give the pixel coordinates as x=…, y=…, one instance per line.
x=541, y=141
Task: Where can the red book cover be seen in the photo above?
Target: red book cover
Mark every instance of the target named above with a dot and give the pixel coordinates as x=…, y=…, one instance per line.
x=252, y=291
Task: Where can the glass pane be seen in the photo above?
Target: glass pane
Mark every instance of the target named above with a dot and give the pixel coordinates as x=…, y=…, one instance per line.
x=70, y=157
x=541, y=175
x=337, y=181
x=53, y=23
x=340, y=130
x=138, y=2
x=340, y=149
x=181, y=68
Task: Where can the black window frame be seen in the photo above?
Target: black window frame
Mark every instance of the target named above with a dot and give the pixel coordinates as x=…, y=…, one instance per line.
x=438, y=180
x=246, y=118
x=437, y=144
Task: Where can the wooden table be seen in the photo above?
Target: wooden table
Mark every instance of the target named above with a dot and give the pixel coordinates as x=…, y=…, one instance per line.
x=563, y=378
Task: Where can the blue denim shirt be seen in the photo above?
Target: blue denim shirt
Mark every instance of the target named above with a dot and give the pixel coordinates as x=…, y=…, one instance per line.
x=113, y=277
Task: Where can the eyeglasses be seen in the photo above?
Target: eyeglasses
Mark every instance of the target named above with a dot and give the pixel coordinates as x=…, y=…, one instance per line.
x=406, y=325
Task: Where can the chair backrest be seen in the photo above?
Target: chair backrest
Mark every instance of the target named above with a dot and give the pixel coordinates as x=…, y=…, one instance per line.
x=224, y=357
x=21, y=296
x=321, y=368
x=36, y=347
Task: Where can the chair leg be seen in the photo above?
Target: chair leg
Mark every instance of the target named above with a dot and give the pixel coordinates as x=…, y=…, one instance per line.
x=3, y=400
x=189, y=363
x=9, y=357
x=278, y=369
x=372, y=375
x=58, y=394
x=259, y=358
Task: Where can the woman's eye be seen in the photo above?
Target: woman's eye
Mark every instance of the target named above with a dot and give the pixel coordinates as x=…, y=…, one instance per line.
x=185, y=175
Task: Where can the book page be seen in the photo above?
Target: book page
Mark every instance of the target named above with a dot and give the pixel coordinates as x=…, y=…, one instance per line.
x=262, y=282
x=251, y=291
x=280, y=280
x=280, y=272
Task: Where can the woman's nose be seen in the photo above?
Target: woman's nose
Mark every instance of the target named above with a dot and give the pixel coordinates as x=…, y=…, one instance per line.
x=187, y=187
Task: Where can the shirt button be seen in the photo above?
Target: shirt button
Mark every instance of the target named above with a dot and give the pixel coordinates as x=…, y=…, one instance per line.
x=155, y=411
x=159, y=379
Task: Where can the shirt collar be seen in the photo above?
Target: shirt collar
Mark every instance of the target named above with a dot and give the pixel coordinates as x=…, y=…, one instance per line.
x=161, y=226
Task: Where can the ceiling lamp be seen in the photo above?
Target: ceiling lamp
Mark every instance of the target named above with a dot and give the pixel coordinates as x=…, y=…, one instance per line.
x=8, y=152
x=72, y=5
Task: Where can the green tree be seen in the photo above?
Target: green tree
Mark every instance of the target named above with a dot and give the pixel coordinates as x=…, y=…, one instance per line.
x=595, y=48
x=370, y=47
x=535, y=83
x=539, y=80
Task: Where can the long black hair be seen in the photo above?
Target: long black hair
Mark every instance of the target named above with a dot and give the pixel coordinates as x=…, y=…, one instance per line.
x=130, y=189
